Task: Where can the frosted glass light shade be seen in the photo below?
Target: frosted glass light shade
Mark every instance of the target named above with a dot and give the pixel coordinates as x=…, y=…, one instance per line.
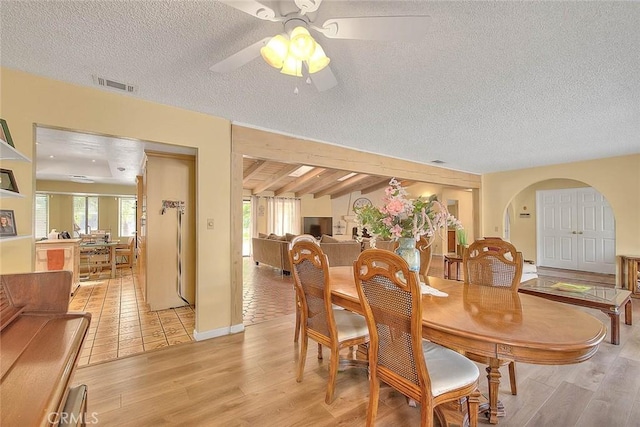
x=275, y=51
x=318, y=60
x=292, y=67
x=302, y=45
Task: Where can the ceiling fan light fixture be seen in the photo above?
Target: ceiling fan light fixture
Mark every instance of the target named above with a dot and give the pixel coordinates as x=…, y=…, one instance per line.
x=292, y=66
x=318, y=60
x=275, y=51
x=302, y=45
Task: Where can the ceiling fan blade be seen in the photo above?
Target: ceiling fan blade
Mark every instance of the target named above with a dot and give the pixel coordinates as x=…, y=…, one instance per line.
x=307, y=6
x=376, y=28
x=324, y=79
x=254, y=8
x=240, y=58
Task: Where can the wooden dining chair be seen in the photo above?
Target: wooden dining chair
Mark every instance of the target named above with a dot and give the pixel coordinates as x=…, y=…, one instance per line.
x=493, y=262
x=301, y=238
x=421, y=370
x=334, y=328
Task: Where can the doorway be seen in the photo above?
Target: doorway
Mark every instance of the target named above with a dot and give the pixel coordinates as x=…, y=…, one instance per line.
x=575, y=230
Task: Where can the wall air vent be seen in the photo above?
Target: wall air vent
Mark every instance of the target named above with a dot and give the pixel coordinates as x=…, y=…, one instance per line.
x=105, y=82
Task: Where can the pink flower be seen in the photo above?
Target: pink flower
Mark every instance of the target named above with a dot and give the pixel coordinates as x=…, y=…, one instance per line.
x=394, y=207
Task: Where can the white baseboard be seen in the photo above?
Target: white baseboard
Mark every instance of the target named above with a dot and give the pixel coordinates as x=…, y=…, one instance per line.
x=213, y=333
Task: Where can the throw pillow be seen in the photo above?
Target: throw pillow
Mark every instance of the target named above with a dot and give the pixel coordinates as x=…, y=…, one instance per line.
x=289, y=236
x=262, y=235
x=328, y=239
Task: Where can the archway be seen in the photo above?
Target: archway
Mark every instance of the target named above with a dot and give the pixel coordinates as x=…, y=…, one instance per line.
x=527, y=233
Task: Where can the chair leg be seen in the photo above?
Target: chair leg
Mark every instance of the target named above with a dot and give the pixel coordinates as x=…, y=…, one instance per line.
x=374, y=396
x=333, y=373
x=303, y=355
x=473, y=403
x=426, y=414
x=512, y=378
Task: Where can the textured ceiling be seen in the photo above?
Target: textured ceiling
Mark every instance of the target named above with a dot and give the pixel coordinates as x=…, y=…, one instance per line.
x=494, y=85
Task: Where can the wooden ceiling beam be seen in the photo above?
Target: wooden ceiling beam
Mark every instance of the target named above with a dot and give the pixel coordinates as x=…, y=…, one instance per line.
x=357, y=187
x=383, y=182
x=300, y=181
x=275, y=179
x=347, y=183
x=257, y=167
x=323, y=182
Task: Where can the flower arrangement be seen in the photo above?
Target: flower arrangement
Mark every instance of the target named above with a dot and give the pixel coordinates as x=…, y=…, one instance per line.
x=400, y=216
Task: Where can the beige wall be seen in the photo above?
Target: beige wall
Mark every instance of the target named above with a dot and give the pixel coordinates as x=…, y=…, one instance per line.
x=26, y=100
x=616, y=178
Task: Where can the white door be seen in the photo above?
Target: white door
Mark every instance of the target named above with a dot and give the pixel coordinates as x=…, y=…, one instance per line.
x=576, y=230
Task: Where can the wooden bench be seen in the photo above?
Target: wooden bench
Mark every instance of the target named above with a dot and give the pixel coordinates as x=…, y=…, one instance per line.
x=41, y=344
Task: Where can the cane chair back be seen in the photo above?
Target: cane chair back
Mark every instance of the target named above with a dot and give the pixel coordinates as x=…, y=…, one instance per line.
x=426, y=372
x=301, y=238
x=492, y=262
x=320, y=321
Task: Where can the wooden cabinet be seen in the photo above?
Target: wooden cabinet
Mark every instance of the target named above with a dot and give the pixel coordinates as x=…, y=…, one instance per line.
x=59, y=254
x=630, y=274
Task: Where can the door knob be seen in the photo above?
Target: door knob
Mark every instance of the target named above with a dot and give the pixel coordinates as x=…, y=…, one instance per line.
x=574, y=232
x=579, y=232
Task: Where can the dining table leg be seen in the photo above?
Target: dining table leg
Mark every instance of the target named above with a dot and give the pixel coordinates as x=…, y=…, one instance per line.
x=493, y=375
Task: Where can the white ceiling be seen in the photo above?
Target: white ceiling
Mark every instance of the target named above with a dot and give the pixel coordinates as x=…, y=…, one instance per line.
x=63, y=155
x=494, y=85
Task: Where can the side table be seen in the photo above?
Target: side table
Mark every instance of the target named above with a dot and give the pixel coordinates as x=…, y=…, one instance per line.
x=450, y=260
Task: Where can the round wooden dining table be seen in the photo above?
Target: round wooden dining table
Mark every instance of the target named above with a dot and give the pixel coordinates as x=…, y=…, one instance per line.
x=494, y=322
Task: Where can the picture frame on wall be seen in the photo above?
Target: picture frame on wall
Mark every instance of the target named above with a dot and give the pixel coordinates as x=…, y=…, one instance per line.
x=7, y=223
x=8, y=181
x=4, y=133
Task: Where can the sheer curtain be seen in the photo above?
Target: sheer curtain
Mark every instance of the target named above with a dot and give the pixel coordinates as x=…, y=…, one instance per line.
x=283, y=215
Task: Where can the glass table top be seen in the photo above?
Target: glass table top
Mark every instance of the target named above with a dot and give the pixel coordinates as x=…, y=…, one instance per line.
x=582, y=291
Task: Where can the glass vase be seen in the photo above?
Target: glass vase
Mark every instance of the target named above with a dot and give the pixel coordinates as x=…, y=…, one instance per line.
x=407, y=250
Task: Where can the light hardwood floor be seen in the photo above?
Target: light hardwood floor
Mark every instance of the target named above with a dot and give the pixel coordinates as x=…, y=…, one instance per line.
x=248, y=379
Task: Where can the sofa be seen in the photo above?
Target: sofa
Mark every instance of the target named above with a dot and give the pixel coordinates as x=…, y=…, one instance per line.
x=273, y=250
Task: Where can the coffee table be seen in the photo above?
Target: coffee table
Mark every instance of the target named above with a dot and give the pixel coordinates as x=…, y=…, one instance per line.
x=606, y=299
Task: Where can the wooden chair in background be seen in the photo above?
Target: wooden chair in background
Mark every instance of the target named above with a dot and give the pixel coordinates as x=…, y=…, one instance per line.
x=398, y=356
x=334, y=328
x=493, y=262
x=126, y=254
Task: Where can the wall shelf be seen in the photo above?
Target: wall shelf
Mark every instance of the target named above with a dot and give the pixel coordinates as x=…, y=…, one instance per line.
x=7, y=152
x=6, y=194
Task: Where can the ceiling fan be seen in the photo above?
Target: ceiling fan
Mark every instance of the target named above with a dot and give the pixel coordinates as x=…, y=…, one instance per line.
x=296, y=50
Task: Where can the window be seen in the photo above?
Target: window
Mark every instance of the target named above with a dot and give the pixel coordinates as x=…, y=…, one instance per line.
x=85, y=213
x=42, y=216
x=127, y=216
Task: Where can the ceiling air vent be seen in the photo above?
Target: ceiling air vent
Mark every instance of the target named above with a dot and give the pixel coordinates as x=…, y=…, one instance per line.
x=123, y=87
x=80, y=179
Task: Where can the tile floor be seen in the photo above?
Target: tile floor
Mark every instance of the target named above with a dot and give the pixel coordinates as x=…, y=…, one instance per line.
x=122, y=324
